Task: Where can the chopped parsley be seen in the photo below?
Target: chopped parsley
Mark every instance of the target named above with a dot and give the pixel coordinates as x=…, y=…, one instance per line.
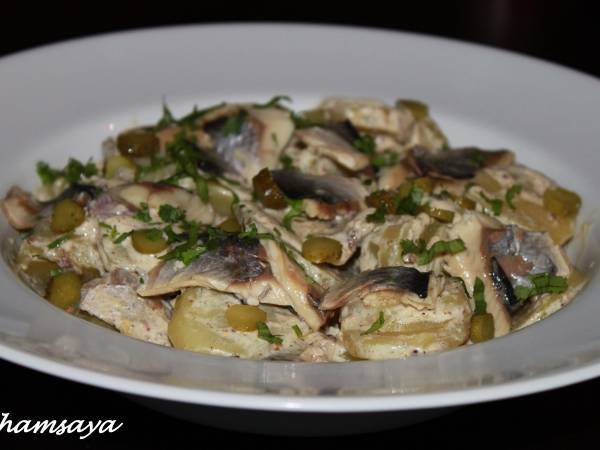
x=72, y=172
x=55, y=272
x=510, y=194
x=425, y=256
x=274, y=102
x=122, y=237
x=542, y=283
x=265, y=334
x=297, y=330
x=385, y=159
x=378, y=216
x=410, y=204
x=46, y=173
x=295, y=210
x=365, y=144
x=286, y=161
x=190, y=119
x=375, y=325
x=143, y=215
x=166, y=120
x=111, y=230
x=479, y=297
x=186, y=155
x=58, y=242
x=495, y=204
x=171, y=214
x=234, y=124
x=252, y=233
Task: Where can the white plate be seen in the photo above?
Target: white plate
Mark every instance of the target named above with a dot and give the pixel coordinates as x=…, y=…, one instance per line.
x=62, y=100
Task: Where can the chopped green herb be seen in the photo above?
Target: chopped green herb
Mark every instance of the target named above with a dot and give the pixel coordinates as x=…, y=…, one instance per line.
x=378, y=216
x=55, y=272
x=234, y=124
x=410, y=203
x=72, y=172
x=297, y=330
x=46, y=173
x=171, y=214
x=143, y=215
x=495, y=204
x=190, y=119
x=172, y=237
x=286, y=161
x=510, y=194
x=252, y=233
x=265, y=334
x=424, y=256
x=542, y=283
x=385, y=159
x=365, y=144
x=186, y=155
x=479, y=296
x=375, y=325
x=167, y=118
x=295, y=210
x=122, y=237
x=274, y=102
x=58, y=242
x=409, y=246
x=112, y=230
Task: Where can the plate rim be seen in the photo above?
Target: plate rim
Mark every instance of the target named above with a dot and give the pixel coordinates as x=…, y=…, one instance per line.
x=314, y=403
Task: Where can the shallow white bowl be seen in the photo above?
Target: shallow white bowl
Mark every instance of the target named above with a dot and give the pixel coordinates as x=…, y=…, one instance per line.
x=62, y=100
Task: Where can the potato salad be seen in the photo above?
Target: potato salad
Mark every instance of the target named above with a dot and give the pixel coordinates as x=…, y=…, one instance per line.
x=349, y=231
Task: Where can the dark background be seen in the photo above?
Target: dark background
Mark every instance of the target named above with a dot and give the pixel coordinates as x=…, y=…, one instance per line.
x=565, y=32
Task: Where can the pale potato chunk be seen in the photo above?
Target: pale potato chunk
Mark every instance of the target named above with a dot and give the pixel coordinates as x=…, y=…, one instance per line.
x=406, y=329
x=199, y=324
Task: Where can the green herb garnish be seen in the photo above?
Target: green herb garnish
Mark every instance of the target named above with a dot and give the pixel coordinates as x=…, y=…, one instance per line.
x=167, y=118
x=495, y=204
x=542, y=283
x=295, y=210
x=286, y=161
x=72, y=172
x=378, y=216
x=424, y=256
x=510, y=194
x=186, y=155
x=479, y=297
x=265, y=334
x=365, y=144
x=46, y=173
x=122, y=237
x=143, y=215
x=274, y=102
x=375, y=325
x=297, y=330
x=234, y=124
x=58, y=242
x=171, y=214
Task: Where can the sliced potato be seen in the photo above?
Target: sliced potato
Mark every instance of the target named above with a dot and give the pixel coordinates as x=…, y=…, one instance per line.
x=406, y=329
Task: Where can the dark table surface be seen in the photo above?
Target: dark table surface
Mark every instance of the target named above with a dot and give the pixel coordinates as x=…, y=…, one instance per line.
x=564, y=32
